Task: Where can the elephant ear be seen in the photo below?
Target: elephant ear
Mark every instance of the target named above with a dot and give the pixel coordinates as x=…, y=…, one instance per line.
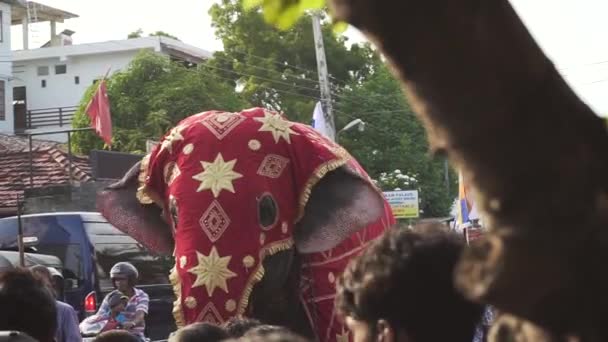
x=120, y=205
x=337, y=200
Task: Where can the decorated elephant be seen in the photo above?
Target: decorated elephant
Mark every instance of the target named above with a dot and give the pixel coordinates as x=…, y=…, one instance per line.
x=261, y=215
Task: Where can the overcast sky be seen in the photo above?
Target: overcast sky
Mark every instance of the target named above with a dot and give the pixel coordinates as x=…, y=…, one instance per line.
x=573, y=33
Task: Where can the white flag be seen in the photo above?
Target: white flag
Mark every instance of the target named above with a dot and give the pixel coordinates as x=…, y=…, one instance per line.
x=319, y=123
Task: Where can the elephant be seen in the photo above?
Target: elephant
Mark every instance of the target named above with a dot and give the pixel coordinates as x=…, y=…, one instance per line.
x=261, y=215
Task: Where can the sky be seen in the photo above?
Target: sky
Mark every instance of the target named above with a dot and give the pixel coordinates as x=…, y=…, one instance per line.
x=574, y=34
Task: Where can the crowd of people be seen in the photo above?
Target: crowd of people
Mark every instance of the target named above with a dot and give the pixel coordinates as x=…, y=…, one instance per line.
x=398, y=289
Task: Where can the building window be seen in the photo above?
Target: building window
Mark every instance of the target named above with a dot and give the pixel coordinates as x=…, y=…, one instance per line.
x=61, y=69
x=2, y=102
x=43, y=70
x=77, y=79
x=43, y=83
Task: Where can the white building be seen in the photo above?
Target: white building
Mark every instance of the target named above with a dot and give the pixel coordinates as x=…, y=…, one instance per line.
x=49, y=82
x=9, y=13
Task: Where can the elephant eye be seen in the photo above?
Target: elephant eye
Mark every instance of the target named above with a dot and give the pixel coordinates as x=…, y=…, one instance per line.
x=267, y=211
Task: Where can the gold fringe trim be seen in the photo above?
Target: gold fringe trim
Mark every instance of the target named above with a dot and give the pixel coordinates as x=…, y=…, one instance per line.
x=176, y=282
x=258, y=274
x=144, y=194
x=317, y=175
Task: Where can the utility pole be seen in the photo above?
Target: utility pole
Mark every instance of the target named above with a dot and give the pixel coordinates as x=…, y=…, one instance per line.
x=323, y=76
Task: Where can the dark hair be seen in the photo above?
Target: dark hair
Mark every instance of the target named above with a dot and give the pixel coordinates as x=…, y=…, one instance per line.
x=265, y=329
x=200, y=332
x=272, y=333
x=405, y=278
x=237, y=327
x=26, y=305
x=116, y=336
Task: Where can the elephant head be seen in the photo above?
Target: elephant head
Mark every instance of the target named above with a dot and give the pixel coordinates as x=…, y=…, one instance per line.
x=238, y=198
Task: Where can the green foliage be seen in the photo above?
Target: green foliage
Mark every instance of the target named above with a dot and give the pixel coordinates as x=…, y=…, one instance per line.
x=135, y=34
x=151, y=96
x=284, y=13
x=163, y=34
x=277, y=69
x=394, y=139
x=140, y=33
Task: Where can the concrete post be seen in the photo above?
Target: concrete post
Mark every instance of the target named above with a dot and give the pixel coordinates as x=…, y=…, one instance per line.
x=26, y=32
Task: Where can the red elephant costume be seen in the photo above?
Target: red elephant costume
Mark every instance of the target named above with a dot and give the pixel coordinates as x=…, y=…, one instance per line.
x=205, y=170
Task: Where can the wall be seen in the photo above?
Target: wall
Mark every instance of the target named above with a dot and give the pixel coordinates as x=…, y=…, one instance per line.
x=61, y=90
x=6, y=125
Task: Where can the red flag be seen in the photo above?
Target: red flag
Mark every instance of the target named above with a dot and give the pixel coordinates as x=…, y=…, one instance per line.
x=99, y=113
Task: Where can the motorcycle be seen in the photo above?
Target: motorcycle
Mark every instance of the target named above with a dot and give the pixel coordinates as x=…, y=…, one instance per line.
x=94, y=325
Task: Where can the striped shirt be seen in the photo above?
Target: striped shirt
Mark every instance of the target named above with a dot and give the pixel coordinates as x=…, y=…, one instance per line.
x=138, y=302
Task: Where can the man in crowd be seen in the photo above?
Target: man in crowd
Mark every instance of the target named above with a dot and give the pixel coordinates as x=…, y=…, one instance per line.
x=67, y=320
x=124, y=277
x=27, y=306
x=401, y=289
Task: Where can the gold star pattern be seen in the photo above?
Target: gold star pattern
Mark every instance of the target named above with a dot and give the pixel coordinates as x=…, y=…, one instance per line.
x=217, y=176
x=212, y=271
x=174, y=135
x=276, y=125
x=343, y=337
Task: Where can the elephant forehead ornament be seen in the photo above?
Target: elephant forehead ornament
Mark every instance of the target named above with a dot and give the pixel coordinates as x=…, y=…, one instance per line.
x=236, y=187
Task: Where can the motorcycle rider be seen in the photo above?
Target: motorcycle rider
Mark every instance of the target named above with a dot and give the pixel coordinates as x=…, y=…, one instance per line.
x=124, y=278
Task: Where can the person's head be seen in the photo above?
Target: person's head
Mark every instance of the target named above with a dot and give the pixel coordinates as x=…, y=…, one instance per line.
x=271, y=333
x=124, y=276
x=58, y=283
x=26, y=305
x=401, y=289
x=200, y=332
x=43, y=274
x=116, y=336
x=117, y=301
x=237, y=327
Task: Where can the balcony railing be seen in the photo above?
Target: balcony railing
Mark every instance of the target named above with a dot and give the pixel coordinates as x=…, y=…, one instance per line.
x=50, y=117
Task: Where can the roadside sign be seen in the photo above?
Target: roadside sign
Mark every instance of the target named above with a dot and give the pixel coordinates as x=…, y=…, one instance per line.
x=403, y=203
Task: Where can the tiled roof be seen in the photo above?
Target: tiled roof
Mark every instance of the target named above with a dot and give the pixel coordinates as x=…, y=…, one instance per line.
x=50, y=167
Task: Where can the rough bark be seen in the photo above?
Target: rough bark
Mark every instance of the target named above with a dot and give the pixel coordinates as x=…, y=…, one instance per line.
x=534, y=152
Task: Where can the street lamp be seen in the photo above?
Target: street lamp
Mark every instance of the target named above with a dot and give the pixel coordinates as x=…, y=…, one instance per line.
x=357, y=122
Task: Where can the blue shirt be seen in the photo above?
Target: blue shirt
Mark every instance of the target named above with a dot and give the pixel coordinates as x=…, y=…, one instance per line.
x=67, y=323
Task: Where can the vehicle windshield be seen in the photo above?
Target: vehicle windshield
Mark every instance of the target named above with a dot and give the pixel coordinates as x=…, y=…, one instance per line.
x=55, y=235
x=112, y=246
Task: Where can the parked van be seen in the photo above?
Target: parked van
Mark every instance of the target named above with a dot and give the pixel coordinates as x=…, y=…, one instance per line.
x=88, y=246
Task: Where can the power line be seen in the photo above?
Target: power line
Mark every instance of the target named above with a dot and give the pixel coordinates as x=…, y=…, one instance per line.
x=273, y=89
x=285, y=64
x=583, y=65
x=261, y=78
x=265, y=69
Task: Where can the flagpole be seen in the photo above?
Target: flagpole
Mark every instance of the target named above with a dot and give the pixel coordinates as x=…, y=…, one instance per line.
x=107, y=73
x=103, y=79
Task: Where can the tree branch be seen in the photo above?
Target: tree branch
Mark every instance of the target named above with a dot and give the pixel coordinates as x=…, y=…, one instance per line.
x=534, y=152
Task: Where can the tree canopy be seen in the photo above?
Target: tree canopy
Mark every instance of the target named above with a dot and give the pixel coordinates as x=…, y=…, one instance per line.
x=394, y=139
x=149, y=97
x=277, y=69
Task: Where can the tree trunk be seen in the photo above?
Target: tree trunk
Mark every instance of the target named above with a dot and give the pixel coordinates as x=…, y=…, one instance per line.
x=534, y=152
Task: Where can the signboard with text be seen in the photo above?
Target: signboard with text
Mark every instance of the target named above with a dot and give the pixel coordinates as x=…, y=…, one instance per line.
x=404, y=203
